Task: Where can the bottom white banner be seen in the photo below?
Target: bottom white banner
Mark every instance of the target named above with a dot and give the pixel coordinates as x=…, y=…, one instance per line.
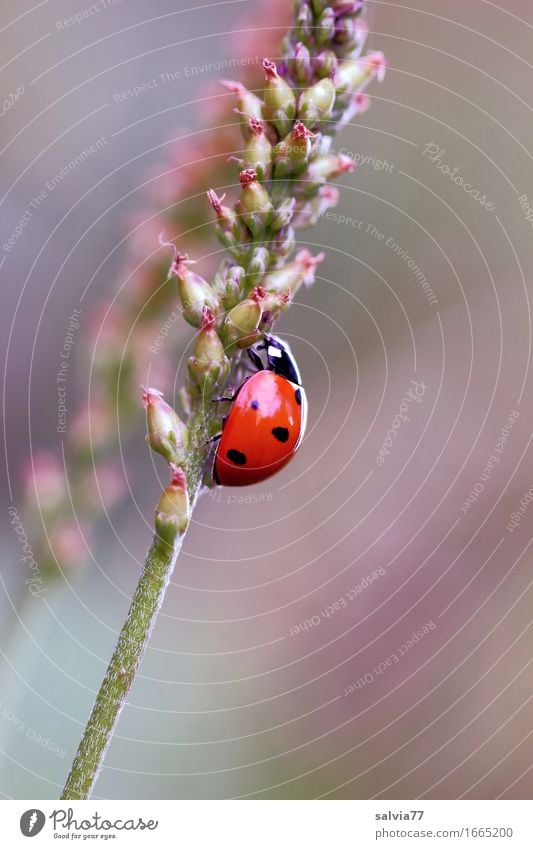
x=267, y=824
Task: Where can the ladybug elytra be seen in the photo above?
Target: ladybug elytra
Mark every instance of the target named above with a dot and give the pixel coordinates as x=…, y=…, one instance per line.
x=266, y=421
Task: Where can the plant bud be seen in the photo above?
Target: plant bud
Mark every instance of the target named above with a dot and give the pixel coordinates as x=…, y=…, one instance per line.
x=228, y=228
x=249, y=105
x=254, y=204
x=350, y=36
x=284, y=242
x=195, y=292
x=347, y=7
x=309, y=212
x=304, y=22
x=359, y=103
x=280, y=102
x=316, y=103
x=325, y=28
x=240, y=327
x=172, y=513
x=284, y=213
x=291, y=276
x=328, y=167
x=233, y=285
x=354, y=75
x=258, y=150
x=271, y=303
x=325, y=64
x=208, y=365
x=167, y=434
x=299, y=64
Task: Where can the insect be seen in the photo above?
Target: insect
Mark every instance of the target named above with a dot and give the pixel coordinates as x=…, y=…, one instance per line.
x=267, y=419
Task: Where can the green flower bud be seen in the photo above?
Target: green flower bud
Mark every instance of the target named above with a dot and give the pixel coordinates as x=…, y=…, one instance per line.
x=172, y=513
x=299, y=63
x=280, y=101
x=233, y=286
x=328, y=167
x=325, y=28
x=167, y=434
x=271, y=303
x=249, y=105
x=354, y=75
x=316, y=103
x=254, y=204
x=304, y=23
x=228, y=226
x=240, y=327
x=208, y=365
x=325, y=64
x=291, y=276
x=258, y=150
x=195, y=292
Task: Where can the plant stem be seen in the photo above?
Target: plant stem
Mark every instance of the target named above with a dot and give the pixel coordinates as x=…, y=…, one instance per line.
x=134, y=636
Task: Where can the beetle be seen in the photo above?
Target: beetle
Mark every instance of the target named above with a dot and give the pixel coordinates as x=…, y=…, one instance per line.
x=267, y=419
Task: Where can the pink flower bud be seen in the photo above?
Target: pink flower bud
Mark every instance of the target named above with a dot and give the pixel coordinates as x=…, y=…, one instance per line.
x=310, y=211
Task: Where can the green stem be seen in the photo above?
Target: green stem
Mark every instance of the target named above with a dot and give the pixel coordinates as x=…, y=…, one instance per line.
x=134, y=635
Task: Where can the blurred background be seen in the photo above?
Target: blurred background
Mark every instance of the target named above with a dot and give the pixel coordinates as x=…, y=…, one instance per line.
x=360, y=625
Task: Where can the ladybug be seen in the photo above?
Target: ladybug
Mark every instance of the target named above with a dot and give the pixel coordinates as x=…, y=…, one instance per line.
x=266, y=422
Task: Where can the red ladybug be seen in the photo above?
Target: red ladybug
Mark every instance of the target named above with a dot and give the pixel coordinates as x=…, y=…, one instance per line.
x=267, y=419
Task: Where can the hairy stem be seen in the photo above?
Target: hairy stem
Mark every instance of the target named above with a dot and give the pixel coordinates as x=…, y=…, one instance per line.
x=134, y=636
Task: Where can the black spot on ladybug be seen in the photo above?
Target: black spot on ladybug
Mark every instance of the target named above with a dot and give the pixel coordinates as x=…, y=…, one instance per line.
x=281, y=434
x=254, y=405
x=298, y=396
x=236, y=457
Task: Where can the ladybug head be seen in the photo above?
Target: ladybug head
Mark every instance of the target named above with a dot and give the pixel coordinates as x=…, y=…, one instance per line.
x=280, y=359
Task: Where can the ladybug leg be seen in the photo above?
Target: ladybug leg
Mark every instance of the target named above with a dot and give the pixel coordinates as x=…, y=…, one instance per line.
x=217, y=436
x=222, y=398
x=256, y=359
